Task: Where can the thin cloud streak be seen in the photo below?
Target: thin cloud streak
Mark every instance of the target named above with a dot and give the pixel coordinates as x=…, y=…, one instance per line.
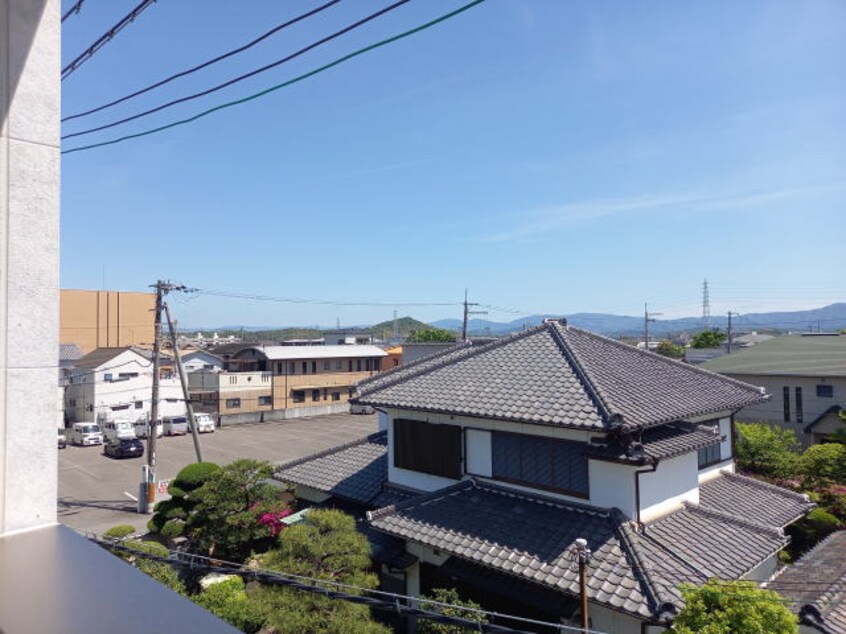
x=542, y=221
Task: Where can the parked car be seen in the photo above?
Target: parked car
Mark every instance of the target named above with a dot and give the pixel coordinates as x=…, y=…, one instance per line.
x=142, y=428
x=118, y=430
x=355, y=408
x=84, y=434
x=205, y=423
x=124, y=448
x=63, y=440
x=175, y=425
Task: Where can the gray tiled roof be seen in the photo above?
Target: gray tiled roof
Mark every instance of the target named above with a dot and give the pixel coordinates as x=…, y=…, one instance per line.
x=558, y=375
x=69, y=352
x=531, y=537
x=748, y=497
x=664, y=441
x=816, y=584
x=356, y=471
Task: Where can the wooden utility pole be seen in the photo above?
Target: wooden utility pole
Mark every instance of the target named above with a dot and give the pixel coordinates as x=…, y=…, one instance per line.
x=647, y=319
x=184, y=381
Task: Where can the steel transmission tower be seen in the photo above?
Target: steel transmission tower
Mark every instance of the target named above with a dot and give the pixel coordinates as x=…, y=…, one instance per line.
x=706, y=305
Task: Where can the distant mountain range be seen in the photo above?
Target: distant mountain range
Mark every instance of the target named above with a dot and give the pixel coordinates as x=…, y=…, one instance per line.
x=827, y=318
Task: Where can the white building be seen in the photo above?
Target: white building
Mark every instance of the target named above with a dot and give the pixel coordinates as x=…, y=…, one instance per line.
x=119, y=382
x=196, y=360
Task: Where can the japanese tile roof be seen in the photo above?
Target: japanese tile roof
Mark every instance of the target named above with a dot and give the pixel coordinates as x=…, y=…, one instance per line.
x=99, y=356
x=788, y=355
x=662, y=442
x=748, y=497
x=69, y=352
x=356, y=471
x=816, y=584
x=531, y=536
x=556, y=374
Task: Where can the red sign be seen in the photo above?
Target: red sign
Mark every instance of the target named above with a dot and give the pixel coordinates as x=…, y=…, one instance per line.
x=162, y=486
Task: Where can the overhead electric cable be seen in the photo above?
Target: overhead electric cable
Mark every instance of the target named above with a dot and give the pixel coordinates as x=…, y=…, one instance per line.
x=105, y=38
x=325, y=302
x=267, y=91
x=240, y=78
x=73, y=10
x=205, y=64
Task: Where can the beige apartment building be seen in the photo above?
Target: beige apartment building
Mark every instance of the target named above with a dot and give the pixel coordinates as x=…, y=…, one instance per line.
x=285, y=380
x=106, y=319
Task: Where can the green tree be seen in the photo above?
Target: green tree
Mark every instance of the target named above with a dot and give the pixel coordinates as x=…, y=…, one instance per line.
x=767, y=450
x=668, y=349
x=227, y=518
x=733, y=607
x=707, y=339
x=824, y=464
x=450, y=596
x=810, y=530
x=228, y=600
x=158, y=570
x=171, y=515
x=325, y=546
x=431, y=335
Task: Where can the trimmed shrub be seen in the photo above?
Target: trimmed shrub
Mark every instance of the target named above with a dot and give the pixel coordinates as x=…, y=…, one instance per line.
x=228, y=600
x=824, y=463
x=172, y=528
x=767, y=450
x=120, y=531
x=194, y=476
x=810, y=530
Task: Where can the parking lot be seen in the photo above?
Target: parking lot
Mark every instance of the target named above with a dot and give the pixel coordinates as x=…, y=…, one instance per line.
x=94, y=490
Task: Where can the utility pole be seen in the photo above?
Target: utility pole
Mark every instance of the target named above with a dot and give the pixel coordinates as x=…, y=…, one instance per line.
x=706, y=305
x=147, y=489
x=184, y=381
x=647, y=319
x=467, y=313
x=730, y=313
x=582, y=555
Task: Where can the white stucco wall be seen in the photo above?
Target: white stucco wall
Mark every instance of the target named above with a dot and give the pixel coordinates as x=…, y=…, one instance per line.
x=604, y=620
x=29, y=260
x=765, y=570
x=477, y=450
x=675, y=481
x=612, y=485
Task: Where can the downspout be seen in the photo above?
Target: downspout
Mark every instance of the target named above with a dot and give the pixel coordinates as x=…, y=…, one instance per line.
x=652, y=469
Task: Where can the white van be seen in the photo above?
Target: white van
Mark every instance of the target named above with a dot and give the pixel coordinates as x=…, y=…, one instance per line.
x=85, y=434
x=118, y=430
x=205, y=423
x=142, y=427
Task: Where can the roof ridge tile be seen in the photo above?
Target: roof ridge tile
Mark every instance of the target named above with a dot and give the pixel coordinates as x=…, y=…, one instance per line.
x=371, y=438
x=787, y=493
x=775, y=533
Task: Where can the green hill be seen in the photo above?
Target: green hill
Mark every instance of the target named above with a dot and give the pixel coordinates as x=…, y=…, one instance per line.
x=405, y=325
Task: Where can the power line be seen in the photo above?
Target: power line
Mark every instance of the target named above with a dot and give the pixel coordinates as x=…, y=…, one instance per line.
x=326, y=302
x=105, y=38
x=378, y=599
x=240, y=78
x=205, y=64
x=73, y=10
x=299, y=78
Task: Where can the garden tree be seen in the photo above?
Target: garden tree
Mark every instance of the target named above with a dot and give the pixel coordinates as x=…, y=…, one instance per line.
x=431, y=335
x=325, y=546
x=810, y=530
x=821, y=465
x=733, y=607
x=451, y=596
x=229, y=518
x=767, y=450
x=669, y=349
x=158, y=570
x=170, y=515
x=707, y=339
x=228, y=600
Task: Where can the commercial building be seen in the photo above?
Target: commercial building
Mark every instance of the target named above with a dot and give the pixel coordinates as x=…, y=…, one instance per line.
x=106, y=319
x=806, y=376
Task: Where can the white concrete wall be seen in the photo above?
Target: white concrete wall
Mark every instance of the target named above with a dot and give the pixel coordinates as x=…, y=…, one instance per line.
x=478, y=452
x=612, y=485
x=764, y=571
x=713, y=471
x=29, y=260
x=675, y=481
x=604, y=620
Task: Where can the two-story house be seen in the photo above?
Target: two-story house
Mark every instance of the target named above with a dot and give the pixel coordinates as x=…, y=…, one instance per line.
x=806, y=374
x=119, y=383
x=494, y=459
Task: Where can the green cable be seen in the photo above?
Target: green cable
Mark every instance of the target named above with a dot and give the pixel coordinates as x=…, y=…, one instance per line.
x=229, y=104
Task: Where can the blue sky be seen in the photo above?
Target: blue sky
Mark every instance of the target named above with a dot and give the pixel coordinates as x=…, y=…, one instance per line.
x=553, y=157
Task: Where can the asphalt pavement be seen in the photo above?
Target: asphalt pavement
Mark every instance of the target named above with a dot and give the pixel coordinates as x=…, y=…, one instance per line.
x=95, y=490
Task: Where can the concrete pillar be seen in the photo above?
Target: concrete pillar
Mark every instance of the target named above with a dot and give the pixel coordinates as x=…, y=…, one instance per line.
x=29, y=261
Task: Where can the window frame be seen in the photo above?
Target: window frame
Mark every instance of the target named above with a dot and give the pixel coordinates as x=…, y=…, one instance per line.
x=826, y=392
x=233, y=403
x=430, y=448
x=705, y=451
